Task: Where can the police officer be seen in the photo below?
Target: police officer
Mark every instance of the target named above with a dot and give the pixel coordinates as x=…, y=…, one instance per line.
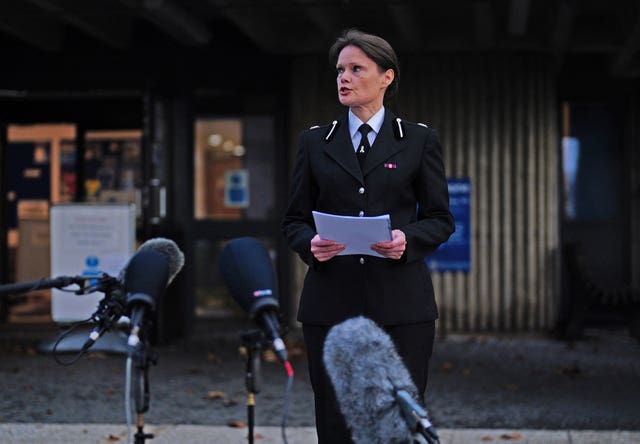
x=368, y=162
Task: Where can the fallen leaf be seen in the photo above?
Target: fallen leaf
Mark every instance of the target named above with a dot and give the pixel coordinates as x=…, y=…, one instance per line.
x=446, y=366
x=466, y=372
x=212, y=357
x=229, y=402
x=215, y=394
x=109, y=392
x=487, y=438
x=114, y=438
x=513, y=436
x=236, y=424
x=97, y=355
x=296, y=352
x=570, y=370
x=269, y=356
x=511, y=387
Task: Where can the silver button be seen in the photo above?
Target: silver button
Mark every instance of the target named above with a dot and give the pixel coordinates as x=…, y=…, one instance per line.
x=361, y=213
x=361, y=190
x=362, y=260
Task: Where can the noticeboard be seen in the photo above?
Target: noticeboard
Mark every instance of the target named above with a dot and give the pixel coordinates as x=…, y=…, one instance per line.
x=455, y=254
x=88, y=240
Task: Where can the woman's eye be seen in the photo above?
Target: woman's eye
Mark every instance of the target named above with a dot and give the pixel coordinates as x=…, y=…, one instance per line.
x=340, y=70
x=357, y=69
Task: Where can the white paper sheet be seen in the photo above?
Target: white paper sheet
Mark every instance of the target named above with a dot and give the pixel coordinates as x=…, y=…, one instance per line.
x=356, y=233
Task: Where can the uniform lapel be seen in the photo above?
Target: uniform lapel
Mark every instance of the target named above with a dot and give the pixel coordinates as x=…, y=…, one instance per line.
x=385, y=145
x=340, y=149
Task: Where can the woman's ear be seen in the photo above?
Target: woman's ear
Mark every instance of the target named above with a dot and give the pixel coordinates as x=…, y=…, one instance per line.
x=388, y=77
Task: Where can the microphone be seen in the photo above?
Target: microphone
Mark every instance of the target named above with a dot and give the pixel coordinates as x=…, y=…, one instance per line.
x=109, y=314
x=145, y=280
x=168, y=248
x=246, y=268
x=374, y=389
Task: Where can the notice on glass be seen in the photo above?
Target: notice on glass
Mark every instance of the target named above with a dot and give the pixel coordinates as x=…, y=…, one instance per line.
x=356, y=233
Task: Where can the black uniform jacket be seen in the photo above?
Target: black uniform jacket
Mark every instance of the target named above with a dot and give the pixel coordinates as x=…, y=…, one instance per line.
x=402, y=176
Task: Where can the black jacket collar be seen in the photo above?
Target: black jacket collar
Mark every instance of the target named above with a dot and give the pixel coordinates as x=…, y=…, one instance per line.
x=340, y=147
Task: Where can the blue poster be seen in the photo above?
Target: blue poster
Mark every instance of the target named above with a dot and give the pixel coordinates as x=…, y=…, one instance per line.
x=455, y=254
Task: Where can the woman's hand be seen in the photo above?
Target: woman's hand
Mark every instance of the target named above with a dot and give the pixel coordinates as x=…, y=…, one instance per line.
x=394, y=248
x=323, y=250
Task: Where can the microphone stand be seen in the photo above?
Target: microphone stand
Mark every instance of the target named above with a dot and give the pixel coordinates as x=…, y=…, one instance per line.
x=252, y=341
x=43, y=284
x=142, y=356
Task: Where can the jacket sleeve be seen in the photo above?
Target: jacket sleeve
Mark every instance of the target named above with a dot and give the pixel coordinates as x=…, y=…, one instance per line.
x=434, y=223
x=298, y=226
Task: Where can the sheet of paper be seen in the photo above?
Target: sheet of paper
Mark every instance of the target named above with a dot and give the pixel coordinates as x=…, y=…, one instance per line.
x=356, y=233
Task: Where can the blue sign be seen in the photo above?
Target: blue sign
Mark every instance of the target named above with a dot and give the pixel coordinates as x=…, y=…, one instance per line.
x=236, y=188
x=93, y=269
x=455, y=254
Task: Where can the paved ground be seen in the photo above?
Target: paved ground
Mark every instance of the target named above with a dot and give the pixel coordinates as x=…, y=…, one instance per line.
x=199, y=434
x=482, y=388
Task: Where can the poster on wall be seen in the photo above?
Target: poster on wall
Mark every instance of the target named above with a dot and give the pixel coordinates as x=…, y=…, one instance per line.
x=455, y=254
x=88, y=240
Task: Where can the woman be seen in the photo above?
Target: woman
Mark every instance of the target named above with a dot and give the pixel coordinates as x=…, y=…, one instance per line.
x=395, y=169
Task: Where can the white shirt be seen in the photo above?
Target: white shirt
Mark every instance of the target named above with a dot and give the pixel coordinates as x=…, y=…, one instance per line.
x=375, y=122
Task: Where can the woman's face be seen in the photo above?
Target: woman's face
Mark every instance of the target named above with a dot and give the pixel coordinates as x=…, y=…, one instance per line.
x=361, y=82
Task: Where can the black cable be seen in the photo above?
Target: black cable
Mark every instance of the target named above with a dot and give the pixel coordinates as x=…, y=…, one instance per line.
x=64, y=335
x=110, y=309
x=287, y=396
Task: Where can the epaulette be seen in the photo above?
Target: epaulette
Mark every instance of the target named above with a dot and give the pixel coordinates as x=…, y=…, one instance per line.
x=399, y=127
x=424, y=125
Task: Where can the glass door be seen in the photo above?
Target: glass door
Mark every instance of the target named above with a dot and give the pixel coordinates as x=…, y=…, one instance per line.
x=39, y=169
x=236, y=178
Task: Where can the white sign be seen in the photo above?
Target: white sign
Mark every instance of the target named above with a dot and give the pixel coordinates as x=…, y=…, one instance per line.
x=88, y=240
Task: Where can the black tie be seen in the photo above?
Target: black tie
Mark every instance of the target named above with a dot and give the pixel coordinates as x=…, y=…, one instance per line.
x=364, y=146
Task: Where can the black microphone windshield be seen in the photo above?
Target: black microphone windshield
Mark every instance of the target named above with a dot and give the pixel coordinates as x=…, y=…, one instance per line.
x=168, y=248
x=366, y=372
x=246, y=268
x=147, y=274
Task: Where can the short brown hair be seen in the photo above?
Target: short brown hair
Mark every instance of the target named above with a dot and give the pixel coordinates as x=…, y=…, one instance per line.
x=376, y=48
